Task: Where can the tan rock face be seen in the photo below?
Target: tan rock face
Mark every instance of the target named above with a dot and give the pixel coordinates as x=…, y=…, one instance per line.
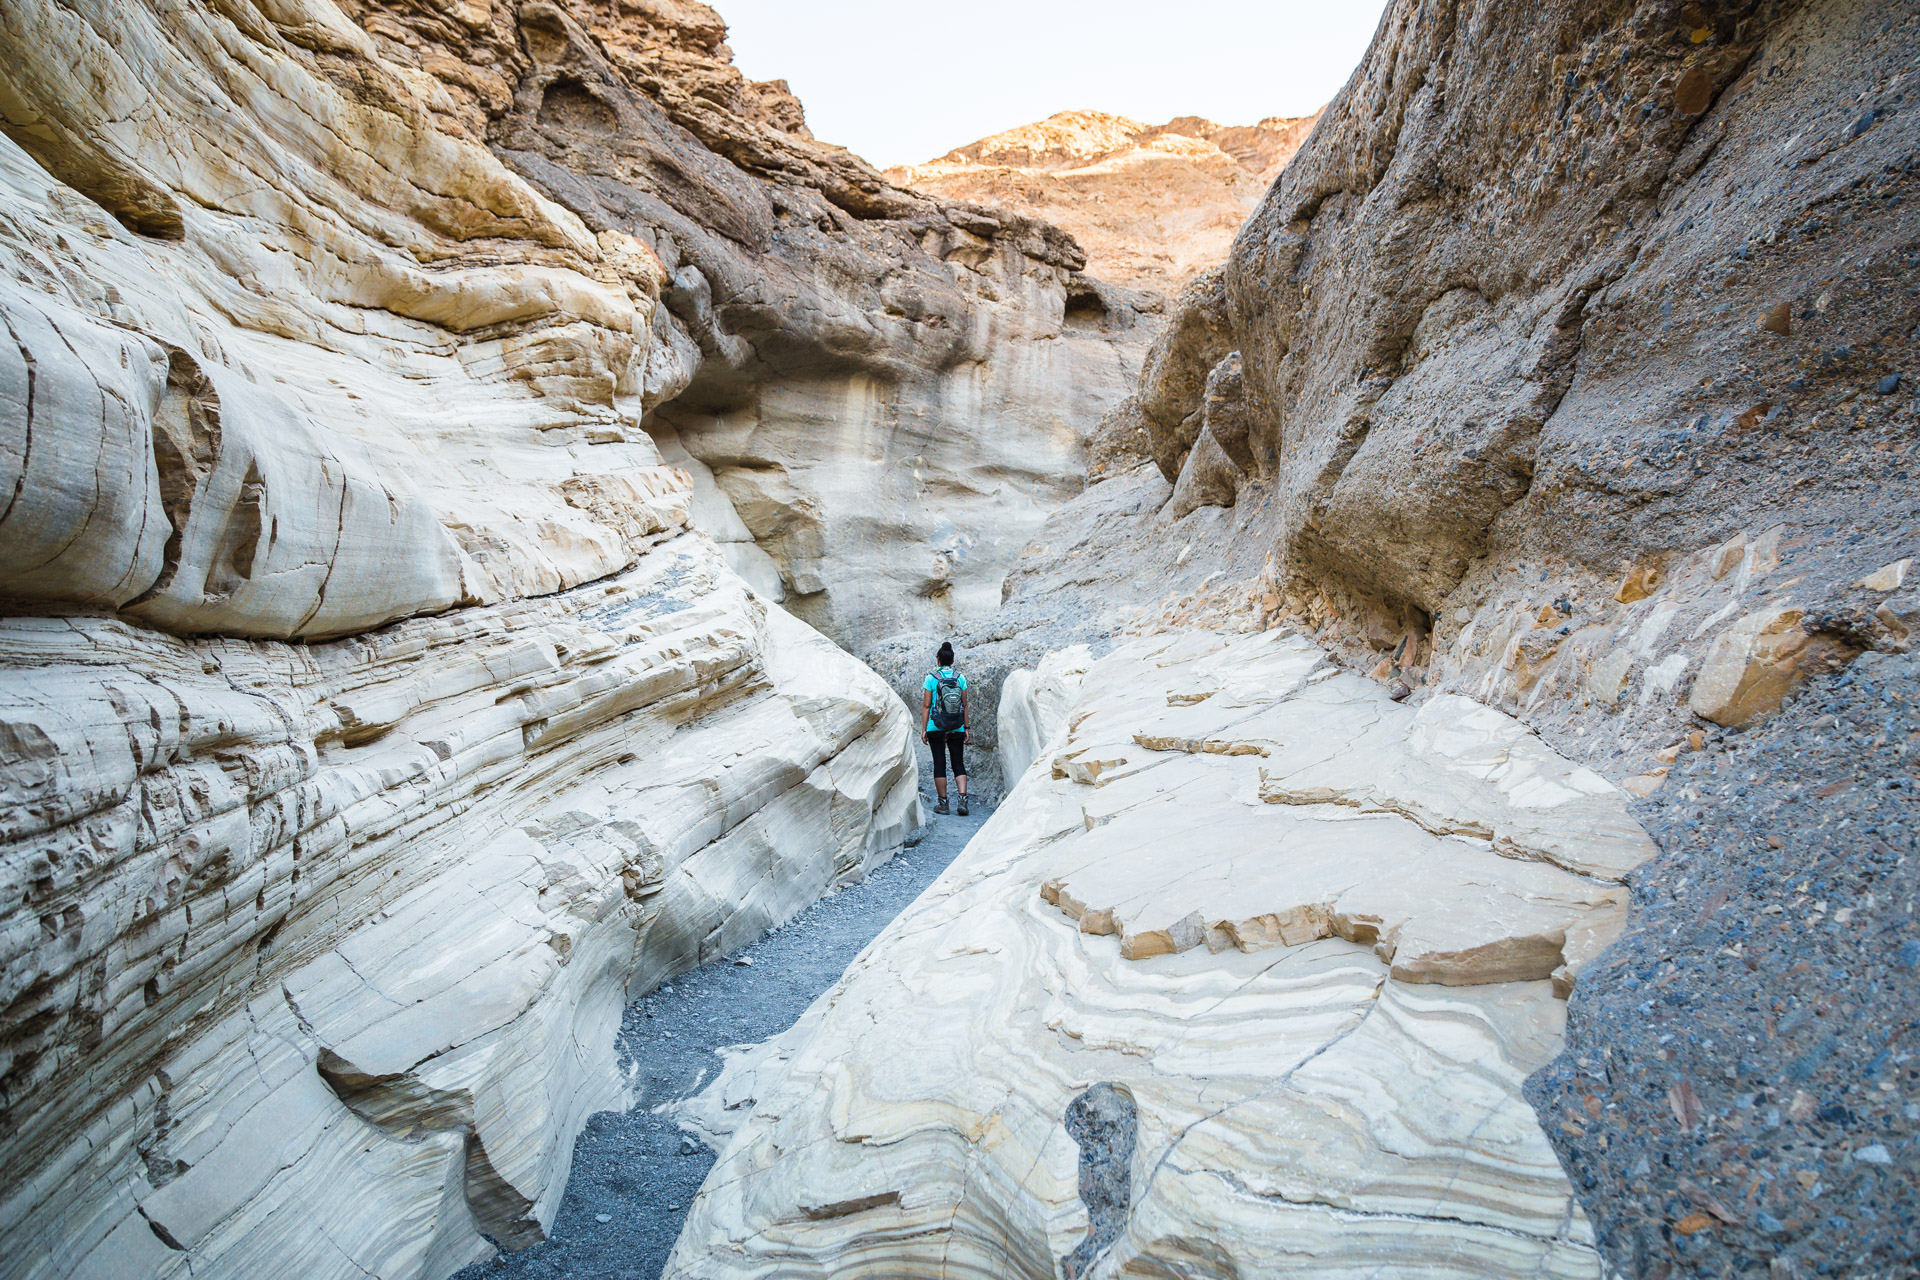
x=1307, y=932
x=1152, y=205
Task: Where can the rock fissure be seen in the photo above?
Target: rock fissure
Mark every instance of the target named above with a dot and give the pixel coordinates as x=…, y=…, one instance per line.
x=1343, y=1211
x=1279, y=1085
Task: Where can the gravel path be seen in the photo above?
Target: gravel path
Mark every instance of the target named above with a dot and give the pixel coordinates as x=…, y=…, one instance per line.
x=635, y=1173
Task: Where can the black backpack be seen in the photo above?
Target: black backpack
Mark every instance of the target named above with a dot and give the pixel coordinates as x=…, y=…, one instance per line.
x=948, y=712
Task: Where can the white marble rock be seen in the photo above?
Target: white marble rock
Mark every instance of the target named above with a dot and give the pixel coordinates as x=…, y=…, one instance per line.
x=341, y=933
x=1336, y=986
x=372, y=725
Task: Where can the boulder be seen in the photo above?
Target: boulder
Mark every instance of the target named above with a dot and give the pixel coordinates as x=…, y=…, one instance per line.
x=1753, y=665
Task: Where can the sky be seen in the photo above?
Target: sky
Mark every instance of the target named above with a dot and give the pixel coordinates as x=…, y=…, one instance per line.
x=901, y=82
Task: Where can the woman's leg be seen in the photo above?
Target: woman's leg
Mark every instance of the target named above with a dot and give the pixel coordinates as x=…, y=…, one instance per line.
x=937, y=743
x=957, y=748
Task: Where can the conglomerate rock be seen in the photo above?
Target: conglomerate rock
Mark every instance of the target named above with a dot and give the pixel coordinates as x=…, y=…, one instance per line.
x=1308, y=934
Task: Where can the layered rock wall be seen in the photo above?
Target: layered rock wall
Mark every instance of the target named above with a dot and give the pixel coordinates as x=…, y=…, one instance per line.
x=319, y=951
x=376, y=717
x=1243, y=978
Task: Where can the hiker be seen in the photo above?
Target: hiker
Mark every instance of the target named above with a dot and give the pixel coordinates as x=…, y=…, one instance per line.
x=943, y=705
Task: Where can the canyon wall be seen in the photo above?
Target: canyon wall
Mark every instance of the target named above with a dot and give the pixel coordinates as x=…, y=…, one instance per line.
x=880, y=396
x=413, y=415
x=1574, y=375
x=1610, y=320
x=392, y=412
x=318, y=952
x=1568, y=369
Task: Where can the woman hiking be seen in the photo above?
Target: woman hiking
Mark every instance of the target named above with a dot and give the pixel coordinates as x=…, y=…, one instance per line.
x=943, y=705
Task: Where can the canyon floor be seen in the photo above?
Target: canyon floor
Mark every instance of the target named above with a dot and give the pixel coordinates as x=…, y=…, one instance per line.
x=639, y=1169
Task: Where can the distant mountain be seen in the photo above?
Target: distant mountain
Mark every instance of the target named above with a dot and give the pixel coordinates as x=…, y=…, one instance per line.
x=1152, y=205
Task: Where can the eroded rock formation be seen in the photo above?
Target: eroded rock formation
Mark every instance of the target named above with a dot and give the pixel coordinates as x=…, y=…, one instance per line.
x=410, y=415
x=1152, y=205
x=376, y=716
x=1569, y=367
x=1612, y=427
x=880, y=396
x=319, y=951
x=1311, y=936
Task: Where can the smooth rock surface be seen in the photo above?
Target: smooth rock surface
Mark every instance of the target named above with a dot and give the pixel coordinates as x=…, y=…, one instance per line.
x=689, y=1049
x=401, y=310
x=1309, y=1098
x=1034, y=705
x=319, y=951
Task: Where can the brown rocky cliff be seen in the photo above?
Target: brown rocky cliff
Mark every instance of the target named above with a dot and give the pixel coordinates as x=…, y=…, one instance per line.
x=1151, y=204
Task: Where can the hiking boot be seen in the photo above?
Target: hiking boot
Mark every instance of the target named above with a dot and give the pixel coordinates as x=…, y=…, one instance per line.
x=963, y=806
x=941, y=807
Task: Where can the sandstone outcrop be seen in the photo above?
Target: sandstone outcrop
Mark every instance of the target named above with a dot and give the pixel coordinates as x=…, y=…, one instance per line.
x=1302, y=937
x=1152, y=205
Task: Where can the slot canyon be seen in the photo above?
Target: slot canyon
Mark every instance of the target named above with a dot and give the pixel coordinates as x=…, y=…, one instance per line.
x=482, y=485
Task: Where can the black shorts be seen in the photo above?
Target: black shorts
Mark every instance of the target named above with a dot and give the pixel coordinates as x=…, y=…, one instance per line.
x=948, y=746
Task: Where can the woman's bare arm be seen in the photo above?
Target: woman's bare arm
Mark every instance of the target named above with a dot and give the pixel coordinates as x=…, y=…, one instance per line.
x=926, y=707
